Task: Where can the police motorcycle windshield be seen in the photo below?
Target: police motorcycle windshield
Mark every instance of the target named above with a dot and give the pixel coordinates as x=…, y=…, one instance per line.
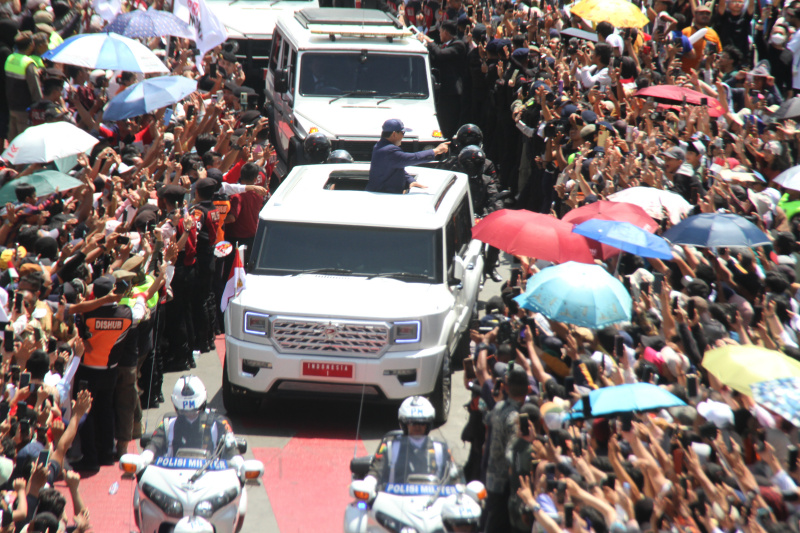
x=431, y=478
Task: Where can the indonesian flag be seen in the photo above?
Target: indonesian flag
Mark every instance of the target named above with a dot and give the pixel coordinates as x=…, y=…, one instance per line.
x=236, y=281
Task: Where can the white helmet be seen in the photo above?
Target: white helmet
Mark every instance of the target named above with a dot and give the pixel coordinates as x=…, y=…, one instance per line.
x=416, y=409
x=462, y=514
x=189, y=396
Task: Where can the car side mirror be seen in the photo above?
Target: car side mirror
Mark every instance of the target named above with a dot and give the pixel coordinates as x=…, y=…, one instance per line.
x=459, y=269
x=359, y=466
x=281, y=81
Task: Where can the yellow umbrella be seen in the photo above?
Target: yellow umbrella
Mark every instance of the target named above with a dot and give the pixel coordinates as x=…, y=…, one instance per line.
x=620, y=13
x=740, y=366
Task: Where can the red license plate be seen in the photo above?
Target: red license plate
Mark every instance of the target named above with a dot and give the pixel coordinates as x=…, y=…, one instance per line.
x=327, y=370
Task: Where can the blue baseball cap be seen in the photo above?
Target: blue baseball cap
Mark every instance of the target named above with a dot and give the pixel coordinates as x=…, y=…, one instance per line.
x=393, y=124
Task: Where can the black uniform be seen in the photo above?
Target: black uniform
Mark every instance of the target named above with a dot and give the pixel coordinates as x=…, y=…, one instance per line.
x=204, y=313
x=177, y=432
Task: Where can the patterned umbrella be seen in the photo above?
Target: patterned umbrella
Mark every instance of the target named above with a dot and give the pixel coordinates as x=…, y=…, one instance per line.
x=781, y=396
x=150, y=23
x=107, y=51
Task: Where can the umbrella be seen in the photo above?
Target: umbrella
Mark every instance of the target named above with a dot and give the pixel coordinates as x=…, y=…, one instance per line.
x=628, y=398
x=626, y=237
x=620, y=13
x=653, y=201
x=740, y=366
x=46, y=182
x=789, y=178
x=605, y=210
x=532, y=234
x=48, y=142
x=781, y=396
x=713, y=230
x=788, y=109
x=575, y=293
x=675, y=94
x=107, y=51
x=150, y=23
x=149, y=95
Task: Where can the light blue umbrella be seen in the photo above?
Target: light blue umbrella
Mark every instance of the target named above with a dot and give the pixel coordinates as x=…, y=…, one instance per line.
x=628, y=398
x=151, y=23
x=577, y=293
x=781, y=396
x=625, y=236
x=714, y=230
x=149, y=95
x=107, y=51
x=46, y=182
x=789, y=178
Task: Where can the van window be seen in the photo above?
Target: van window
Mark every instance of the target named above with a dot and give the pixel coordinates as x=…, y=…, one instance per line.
x=458, y=233
x=277, y=39
x=372, y=74
x=292, y=70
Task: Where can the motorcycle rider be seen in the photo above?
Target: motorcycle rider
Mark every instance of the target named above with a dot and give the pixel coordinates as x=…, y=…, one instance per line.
x=414, y=452
x=195, y=426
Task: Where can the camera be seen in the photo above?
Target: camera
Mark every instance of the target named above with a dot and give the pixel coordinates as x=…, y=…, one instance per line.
x=554, y=127
x=656, y=116
x=572, y=47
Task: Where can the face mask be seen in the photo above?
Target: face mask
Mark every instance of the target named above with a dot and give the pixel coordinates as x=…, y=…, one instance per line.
x=777, y=39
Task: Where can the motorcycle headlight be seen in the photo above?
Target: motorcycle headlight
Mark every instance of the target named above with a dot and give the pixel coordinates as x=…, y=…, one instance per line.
x=168, y=504
x=207, y=508
x=392, y=524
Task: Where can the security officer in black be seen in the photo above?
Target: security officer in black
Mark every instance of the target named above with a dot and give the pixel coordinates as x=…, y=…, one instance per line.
x=206, y=217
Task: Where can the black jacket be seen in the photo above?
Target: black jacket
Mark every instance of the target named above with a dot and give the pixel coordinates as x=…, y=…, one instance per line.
x=451, y=60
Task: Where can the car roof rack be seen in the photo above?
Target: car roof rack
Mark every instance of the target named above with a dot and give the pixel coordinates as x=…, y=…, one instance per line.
x=351, y=22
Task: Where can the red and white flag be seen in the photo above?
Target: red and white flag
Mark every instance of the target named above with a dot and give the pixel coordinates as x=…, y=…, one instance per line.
x=236, y=281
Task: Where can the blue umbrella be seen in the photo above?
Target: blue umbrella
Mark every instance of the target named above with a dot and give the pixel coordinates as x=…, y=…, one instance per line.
x=781, y=396
x=149, y=95
x=577, y=293
x=712, y=230
x=625, y=236
x=107, y=51
x=628, y=398
x=150, y=23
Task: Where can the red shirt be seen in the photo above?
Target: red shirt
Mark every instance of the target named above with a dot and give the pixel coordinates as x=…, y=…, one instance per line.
x=245, y=207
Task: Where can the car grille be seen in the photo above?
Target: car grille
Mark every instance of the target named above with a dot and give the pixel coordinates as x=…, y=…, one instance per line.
x=362, y=150
x=329, y=337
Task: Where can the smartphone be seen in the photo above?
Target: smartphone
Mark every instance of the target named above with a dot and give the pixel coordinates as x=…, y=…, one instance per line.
x=18, y=302
x=577, y=447
x=569, y=510
x=587, y=406
x=524, y=419
x=551, y=485
x=623, y=110
x=121, y=286
x=44, y=458
x=496, y=389
x=610, y=481
x=52, y=344
x=212, y=70
x=37, y=334
x=758, y=315
x=569, y=384
x=619, y=346
x=189, y=111
x=677, y=460
x=168, y=116
x=83, y=385
x=691, y=385
x=470, y=12
x=561, y=491
x=644, y=287
x=24, y=427
x=550, y=471
x=4, y=407
x=675, y=304
x=8, y=340
x=792, y=460
x=704, y=101
x=123, y=239
x=243, y=100
x=24, y=380
x=469, y=369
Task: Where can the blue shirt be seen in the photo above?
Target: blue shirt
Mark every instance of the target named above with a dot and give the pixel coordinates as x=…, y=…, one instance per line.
x=387, y=172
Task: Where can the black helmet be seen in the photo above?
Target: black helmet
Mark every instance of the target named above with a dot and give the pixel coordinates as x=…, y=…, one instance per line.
x=317, y=147
x=471, y=160
x=340, y=156
x=469, y=134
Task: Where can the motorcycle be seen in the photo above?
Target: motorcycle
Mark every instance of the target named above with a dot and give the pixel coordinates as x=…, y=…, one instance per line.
x=192, y=492
x=415, y=506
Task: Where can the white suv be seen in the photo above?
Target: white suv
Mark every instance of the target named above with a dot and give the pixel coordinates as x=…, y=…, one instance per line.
x=351, y=291
x=343, y=72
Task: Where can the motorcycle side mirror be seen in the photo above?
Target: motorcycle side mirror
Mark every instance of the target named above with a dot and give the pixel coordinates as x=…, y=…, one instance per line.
x=476, y=490
x=241, y=445
x=130, y=463
x=359, y=466
x=362, y=490
x=253, y=469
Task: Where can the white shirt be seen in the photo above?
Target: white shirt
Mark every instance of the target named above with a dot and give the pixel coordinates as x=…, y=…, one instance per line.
x=794, y=46
x=591, y=76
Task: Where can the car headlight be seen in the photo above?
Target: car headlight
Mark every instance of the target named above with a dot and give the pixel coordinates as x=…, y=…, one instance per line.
x=406, y=332
x=256, y=323
x=168, y=504
x=207, y=508
x=392, y=524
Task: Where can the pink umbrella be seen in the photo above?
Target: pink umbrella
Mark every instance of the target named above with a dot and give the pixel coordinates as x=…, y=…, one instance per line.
x=674, y=94
x=605, y=210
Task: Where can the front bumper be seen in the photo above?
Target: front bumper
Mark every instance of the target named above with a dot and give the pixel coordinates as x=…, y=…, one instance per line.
x=283, y=373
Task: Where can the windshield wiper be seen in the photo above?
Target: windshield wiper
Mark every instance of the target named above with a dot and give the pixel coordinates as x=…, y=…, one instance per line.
x=354, y=93
x=403, y=95
x=342, y=271
x=399, y=275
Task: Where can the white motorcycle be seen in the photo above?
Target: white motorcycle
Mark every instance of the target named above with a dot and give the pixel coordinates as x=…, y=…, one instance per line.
x=191, y=492
x=417, y=506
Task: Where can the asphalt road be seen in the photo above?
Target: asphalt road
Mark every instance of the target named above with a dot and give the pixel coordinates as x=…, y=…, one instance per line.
x=306, y=445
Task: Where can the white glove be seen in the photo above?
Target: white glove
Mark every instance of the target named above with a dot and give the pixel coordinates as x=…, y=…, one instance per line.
x=146, y=457
x=230, y=440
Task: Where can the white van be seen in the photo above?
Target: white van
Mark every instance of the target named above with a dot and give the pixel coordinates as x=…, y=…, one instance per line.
x=343, y=72
x=352, y=292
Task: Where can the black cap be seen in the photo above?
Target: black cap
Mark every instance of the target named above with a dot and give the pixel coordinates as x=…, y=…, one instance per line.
x=228, y=56
x=144, y=218
x=215, y=174
x=207, y=184
x=516, y=376
x=172, y=193
x=103, y=285
x=250, y=116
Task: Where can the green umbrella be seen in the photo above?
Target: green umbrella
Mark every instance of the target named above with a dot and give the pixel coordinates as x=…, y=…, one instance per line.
x=45, y=182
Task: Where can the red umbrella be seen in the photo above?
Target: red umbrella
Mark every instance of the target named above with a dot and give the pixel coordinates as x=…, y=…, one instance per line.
x=530, y=234
x=605, y=210
x=674, y=94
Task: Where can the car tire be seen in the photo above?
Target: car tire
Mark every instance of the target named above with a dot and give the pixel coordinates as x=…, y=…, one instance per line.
x=235, y=403
x=440, y=397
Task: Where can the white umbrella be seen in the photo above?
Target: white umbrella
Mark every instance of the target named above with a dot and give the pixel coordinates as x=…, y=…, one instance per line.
x=107, y=51
x=48, y=142
x=653, y=200
x=789, y=178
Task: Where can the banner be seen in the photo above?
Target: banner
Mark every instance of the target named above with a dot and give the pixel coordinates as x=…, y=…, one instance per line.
x=208, y=29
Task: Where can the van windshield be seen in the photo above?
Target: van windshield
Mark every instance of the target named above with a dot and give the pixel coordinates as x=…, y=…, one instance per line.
x=366, y=74
x=286, y=248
